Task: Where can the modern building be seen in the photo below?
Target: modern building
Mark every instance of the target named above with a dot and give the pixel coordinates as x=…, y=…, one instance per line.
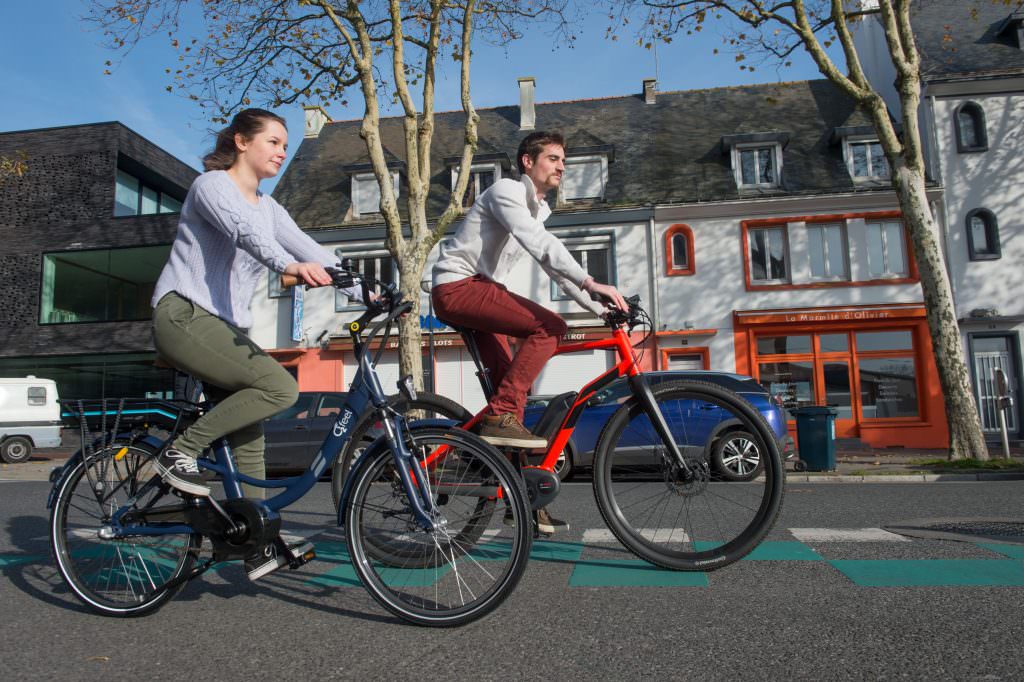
x=86, y=231
x=757, y=224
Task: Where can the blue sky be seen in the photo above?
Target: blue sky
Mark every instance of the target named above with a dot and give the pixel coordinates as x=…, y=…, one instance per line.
x=51, y=65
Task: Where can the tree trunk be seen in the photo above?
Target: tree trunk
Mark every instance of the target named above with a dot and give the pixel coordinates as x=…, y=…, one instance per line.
x=965, y=435
x=410, y=350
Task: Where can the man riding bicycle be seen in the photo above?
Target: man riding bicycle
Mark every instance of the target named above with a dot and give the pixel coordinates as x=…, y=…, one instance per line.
x=506, y=221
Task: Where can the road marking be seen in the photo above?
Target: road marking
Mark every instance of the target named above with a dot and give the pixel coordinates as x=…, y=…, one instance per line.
x=603, y=536
x=932, y=572
x=846, y=535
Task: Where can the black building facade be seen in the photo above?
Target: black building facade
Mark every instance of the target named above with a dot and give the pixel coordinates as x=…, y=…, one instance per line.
x=85, y=232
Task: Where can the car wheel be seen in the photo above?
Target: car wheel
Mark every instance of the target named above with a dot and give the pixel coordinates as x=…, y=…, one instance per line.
x=737, y=457
x=564, y=465
x=15, y=449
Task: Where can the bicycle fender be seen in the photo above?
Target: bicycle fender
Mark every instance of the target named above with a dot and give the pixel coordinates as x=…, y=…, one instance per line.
x=59, y=474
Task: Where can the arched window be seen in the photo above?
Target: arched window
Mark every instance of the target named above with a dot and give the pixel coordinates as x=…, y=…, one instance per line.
x=679, y=251
x=969, y=121
x=982, y=235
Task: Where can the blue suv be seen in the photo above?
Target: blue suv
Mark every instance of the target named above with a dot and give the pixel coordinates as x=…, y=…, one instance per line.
x=732, y=452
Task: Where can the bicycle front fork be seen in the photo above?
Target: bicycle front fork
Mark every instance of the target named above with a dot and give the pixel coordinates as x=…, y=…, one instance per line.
x=642, y=390
x=414, y=478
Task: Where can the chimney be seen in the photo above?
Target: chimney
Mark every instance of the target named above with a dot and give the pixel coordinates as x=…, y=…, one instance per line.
x=315, y=120
x=527, y=117
x=650, y=90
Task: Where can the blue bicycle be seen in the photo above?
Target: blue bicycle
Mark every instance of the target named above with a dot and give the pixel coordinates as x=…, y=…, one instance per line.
x=437, y=522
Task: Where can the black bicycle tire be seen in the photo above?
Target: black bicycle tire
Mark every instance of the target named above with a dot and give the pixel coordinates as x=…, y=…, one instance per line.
x=398, y=402
x=710, y=559
x=62, y=555
x=519, y=554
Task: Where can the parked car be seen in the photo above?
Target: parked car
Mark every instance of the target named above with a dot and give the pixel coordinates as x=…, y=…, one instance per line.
x=293, y=437
x=732, y=452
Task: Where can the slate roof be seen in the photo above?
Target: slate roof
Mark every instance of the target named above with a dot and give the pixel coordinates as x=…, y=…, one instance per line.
x=954, y=44
x=664, y=153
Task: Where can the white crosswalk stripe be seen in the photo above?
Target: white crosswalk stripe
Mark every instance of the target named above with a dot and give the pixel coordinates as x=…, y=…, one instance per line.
x=846, y=535
x=603, y=536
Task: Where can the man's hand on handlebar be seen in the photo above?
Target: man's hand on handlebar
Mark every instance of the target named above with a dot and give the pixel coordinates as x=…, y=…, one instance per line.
x=310, y=274
x=606, y=293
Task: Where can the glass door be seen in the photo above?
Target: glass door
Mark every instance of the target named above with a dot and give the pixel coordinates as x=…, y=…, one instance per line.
x=990, y=354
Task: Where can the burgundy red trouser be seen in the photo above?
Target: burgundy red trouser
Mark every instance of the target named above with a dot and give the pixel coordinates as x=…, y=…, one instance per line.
x=493, y=312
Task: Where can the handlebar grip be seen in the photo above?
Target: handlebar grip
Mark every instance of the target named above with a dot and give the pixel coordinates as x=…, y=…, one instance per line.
x=289, y=281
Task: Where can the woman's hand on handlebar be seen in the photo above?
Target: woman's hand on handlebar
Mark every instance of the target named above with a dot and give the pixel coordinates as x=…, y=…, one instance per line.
x=311, y=274
x=606, y=293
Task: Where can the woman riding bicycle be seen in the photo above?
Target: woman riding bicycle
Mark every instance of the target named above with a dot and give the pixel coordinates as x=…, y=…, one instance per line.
x=505, y=222
x=227, y=233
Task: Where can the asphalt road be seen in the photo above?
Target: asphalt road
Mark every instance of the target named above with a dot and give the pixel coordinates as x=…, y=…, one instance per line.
x=832, y=599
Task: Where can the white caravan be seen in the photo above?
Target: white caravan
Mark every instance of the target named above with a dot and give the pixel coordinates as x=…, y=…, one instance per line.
x=29, y=417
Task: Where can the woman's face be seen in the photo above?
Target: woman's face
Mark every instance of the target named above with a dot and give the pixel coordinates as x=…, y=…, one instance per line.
x=265, y=152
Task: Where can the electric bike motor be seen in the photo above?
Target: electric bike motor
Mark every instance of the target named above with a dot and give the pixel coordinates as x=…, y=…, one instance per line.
x=252, y=526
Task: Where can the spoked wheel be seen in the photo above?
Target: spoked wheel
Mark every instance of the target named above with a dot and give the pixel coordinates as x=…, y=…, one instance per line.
x=425, y=406
x=474, y=558
x=117, y=577
x=690, y=519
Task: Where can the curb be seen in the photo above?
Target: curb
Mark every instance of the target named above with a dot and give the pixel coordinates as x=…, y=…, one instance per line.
x=904, y=478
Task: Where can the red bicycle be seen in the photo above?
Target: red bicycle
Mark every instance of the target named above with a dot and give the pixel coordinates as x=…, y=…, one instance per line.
x=654, y=479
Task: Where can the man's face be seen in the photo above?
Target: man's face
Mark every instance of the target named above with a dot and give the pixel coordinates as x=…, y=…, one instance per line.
x=546, y=172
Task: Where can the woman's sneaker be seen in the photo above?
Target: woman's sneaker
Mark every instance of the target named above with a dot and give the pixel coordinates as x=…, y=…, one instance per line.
x=180, y=470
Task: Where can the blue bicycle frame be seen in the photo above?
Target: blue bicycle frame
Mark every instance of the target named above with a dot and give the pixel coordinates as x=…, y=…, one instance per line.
x=365, y=391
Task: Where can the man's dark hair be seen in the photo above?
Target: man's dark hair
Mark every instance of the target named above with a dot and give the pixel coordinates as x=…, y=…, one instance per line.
x=534, y=143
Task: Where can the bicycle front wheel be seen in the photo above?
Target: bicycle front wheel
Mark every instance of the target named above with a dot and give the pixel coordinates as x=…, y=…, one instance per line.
x=697, y=518
x=116, y=577
x=474, y=558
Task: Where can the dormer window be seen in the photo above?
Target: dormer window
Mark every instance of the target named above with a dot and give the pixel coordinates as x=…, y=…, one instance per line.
x=585, y=178
x=483, y=176
x=969, y=120
x=865, y=159
x=756, y=159
x=366, y=193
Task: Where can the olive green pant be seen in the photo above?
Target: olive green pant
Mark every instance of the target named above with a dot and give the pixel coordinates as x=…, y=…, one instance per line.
x=247, y=384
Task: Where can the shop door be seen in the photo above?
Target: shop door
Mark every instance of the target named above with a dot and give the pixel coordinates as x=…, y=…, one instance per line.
x=838, y=391
x=990, y=354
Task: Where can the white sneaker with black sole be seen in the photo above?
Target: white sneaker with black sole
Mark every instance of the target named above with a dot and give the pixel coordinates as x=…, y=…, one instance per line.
x=180, y=470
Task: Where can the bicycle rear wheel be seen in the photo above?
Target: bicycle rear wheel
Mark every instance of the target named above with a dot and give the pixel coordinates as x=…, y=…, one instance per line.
x=467, y=566
x=125, y=576
x=696, y=521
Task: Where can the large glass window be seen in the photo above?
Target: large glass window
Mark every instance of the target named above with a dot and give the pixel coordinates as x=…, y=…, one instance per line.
x=783, y=345
x=134, y=197
x=826, y=247
x=792, y=382
x=896, y=340
x=888, y=387
x=886, y=252
x=125, y=375
x=595, y=256
x=106, y=285
x=768, y=259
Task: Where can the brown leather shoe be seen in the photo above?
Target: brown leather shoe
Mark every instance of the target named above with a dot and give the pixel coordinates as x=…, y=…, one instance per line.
x=505, y=429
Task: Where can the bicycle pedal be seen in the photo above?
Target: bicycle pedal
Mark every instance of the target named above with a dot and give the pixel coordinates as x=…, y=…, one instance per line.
x=299, y=555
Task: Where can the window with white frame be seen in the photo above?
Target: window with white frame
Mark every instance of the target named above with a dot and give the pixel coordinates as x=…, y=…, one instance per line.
x=887, y=254
x=483, y=176
x=594, y=254
x=757, y=165
x=866, y=160
x=769, y=260
x=585, y=178
x=366, y=193
x=827, y=249
x=373, y=264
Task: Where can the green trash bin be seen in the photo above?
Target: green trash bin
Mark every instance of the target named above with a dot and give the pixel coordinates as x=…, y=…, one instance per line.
x=816, y=437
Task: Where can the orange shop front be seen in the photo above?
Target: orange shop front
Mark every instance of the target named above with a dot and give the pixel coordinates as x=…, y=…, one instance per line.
x=873, y=364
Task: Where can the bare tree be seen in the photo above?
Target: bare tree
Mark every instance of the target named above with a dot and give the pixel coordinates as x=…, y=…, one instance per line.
x=318, y=51
x=773, y=30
